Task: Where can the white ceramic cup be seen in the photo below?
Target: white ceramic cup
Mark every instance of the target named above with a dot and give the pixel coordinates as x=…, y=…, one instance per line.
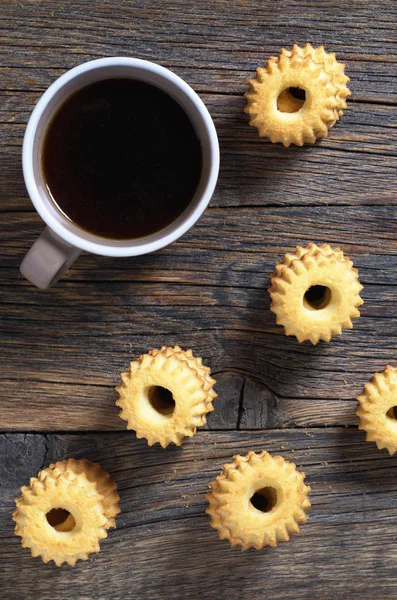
x=62, y=241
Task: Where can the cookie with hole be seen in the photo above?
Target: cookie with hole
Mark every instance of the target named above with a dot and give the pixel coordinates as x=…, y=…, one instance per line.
x=165, y=395
x=258, y=500
x=315, y=293
x=298, y=96
x=377, y=410
x=66, y=510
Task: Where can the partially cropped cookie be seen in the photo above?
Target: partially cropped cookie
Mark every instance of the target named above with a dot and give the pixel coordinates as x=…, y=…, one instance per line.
x=298, y=96
x=165, y=395
x=66, y=510
x=378, y=410
x=315, y=293
x=258, y=500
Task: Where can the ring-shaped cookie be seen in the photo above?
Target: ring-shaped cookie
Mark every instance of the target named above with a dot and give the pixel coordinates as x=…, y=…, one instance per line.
x=315, y=293
x=258, y=500
x=376, y=410
x=64, y=511
x=280, y=117
x=165, y=395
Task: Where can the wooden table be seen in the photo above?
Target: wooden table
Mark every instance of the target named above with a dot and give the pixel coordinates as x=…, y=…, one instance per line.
x=62, y=350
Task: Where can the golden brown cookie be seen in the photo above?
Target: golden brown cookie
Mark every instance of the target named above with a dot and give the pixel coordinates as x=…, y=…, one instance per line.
x=165, y=395
x=258, y=500
x=64, y=511
x=298, y=96
x=315, y=293
x=376, y=410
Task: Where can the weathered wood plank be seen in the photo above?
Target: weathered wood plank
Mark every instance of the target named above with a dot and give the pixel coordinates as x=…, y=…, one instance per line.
x=227, y=246
x=55, y=406
x=372, y=76
x=163, y=545
x=203, y=36
x=107, y=312
x=94, y=343
x=39, y=308
x=50, y=406
x=364, y=127
x=355, y=165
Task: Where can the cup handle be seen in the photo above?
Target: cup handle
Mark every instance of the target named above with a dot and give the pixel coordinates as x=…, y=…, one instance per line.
x=48, y=259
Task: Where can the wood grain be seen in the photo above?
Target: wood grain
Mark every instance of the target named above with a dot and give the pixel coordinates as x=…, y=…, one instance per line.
x=163, y=546
x=217, y=51
x=355, y=165
x=208, y=292
x=62, y=351
x=222, y=38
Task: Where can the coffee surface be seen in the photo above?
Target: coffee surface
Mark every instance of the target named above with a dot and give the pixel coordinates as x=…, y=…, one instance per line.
x=121, y=159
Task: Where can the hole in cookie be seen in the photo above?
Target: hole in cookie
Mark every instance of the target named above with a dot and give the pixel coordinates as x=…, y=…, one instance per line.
x=291, y=100
x=265, y=499
x=297, y=93
x=61, y=519
x=161, y=399
x=317, y=297
x=392, y=413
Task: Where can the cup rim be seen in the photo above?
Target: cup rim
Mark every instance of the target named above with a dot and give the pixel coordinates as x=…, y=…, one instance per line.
x=137, y=247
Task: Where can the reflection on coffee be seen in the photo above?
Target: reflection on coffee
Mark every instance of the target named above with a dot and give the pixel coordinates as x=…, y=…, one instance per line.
x=121, y=159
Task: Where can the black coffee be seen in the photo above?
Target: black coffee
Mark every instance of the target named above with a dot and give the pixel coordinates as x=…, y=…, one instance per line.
x=121, y=159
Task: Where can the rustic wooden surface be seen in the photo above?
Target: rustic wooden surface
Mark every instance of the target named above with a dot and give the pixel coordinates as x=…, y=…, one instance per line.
x=62, y=351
